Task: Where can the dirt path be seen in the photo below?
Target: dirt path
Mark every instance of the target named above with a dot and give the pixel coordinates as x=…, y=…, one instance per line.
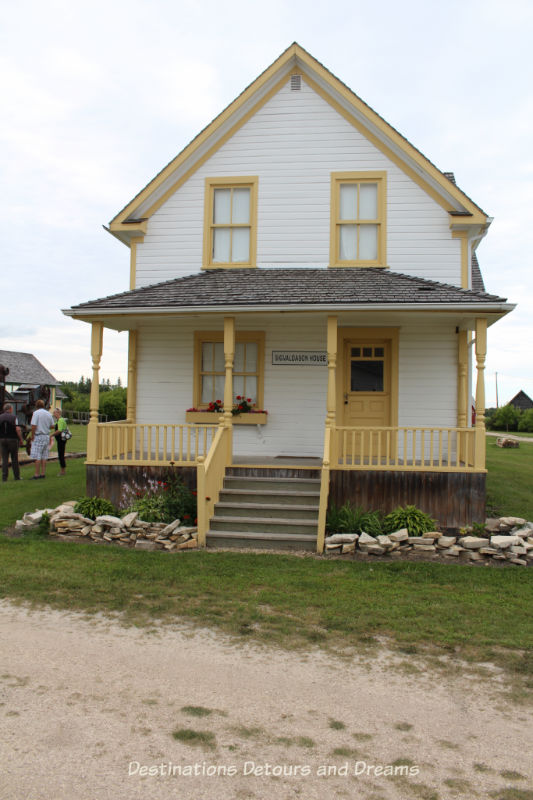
x=88, y=709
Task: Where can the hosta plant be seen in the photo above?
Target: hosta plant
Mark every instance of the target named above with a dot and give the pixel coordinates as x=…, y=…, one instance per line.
x=416, y=521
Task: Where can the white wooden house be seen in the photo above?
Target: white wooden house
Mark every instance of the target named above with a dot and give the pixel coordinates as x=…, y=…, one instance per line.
x=301, y=253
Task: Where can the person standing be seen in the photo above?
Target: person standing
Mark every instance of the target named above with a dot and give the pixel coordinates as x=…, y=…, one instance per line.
x=10, y=439
x=41, y=423
x=60, y=431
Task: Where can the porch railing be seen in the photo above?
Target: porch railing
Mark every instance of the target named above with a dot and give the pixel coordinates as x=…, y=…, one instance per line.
x=146, y=445
x=406, y=448
x=210, y=477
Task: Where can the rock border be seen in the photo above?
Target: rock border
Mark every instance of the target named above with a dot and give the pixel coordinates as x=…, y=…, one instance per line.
x=507, y=539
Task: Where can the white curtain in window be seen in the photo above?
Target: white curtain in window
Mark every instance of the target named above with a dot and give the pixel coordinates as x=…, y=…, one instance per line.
x=222, y=206
x=239, y=357
x=241, y=206
x=238, y=385
x=219, y=357
x=368, y=201
x=221, y=245
x=348, y=243
x=207, y=388
x=368, y=242
x=348, y=201
x=240, y=250
x=251, y=357
x=207, y=356
x=251, y=388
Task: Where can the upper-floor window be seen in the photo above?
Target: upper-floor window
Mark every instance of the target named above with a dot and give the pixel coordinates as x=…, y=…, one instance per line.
x=230, y=221
x=358, y=219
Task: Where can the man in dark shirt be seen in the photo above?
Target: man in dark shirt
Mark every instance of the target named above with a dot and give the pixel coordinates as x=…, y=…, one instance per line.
x=10, y=437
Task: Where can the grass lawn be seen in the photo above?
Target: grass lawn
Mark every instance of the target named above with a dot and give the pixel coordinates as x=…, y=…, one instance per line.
x=17, y=497
x=282, y=599
x=478, y=613
x=510, y=479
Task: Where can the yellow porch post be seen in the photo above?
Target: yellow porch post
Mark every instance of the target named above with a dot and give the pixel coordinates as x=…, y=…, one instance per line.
x=131, y=406
x=462, y=405
x=481, y=352
x=229, y=358
x=331, y=404
x=97, y=335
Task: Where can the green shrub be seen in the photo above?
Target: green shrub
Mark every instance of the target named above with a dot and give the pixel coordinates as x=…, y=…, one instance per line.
x=164, y=501
x=43, y=528
x=526, y=421
x=352, y=519
x=416, y=521
x=93, y=507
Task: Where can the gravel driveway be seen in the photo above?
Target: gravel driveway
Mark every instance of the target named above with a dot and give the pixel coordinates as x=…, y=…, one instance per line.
x=92, y=710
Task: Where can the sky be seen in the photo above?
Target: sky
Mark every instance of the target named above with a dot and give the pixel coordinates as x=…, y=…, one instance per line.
x=96, y=98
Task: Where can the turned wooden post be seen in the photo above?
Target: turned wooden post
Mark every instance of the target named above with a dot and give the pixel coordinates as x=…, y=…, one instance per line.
x=481, y=353
x=97, y=335
x=331, y=403
x=229, y=358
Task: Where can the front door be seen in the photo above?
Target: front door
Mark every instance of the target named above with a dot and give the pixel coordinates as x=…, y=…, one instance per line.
x=367, y=399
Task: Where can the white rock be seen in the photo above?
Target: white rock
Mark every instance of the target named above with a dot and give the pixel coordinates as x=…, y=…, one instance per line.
x=348, y=547
x=130, y=518
x=366, y=539
x=170, y=528
x=385, y=541
x=518, y=550
x=375, y=549
x=519, y=561
x=426, y=548
x=431, y=535
x=399, y=536
x=342, y=538
x=503, y=542
x=454, y=550
x=512, y=521
x=473, y=542
x=446, y=541
x=33, y=518
x=109, y=521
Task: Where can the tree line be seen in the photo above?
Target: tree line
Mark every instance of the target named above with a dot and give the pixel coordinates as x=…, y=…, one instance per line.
x=508, y=418
x=112, y=397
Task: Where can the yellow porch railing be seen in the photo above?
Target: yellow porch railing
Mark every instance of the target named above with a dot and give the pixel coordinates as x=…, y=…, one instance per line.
x=152, y=445
x=210, y=475
x=324, y=491
x=406, y=448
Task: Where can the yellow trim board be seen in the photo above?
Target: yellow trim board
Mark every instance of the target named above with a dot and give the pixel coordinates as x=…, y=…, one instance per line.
x=288, y=61
x=465, y=272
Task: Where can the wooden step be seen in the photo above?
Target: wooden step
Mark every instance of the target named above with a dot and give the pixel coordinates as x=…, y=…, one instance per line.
x=263, y=540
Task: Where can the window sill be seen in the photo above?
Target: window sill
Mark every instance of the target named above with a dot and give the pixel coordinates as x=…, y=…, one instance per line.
x=211, y=418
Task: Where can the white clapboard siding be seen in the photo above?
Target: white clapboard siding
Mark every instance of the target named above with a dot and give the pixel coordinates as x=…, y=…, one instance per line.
x=295, y=397
x=293, y=144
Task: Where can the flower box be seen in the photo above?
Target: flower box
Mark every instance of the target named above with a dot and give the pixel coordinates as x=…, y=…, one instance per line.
x=213, y=418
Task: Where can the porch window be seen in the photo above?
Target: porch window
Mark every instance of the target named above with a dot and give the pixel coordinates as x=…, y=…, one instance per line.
x=358, y=219
x=248, y=367
x=230, y=216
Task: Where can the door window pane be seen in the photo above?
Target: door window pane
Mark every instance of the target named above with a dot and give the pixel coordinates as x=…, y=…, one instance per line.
x=366, y=376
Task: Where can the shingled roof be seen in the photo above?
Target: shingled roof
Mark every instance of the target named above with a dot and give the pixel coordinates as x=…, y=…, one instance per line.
x=25, y=368
x=290, y=288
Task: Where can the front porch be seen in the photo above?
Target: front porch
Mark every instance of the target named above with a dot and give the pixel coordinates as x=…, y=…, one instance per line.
x=439, y=468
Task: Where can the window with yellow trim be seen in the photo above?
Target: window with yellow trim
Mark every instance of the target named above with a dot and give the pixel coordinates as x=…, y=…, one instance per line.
x=230, y=222
x=358, y=224
x=248, y=368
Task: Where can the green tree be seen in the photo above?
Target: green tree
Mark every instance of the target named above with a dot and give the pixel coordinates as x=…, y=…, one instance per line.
x=505, y=418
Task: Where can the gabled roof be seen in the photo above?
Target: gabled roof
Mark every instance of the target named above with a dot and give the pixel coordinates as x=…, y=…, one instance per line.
x=132, y=220
x=290, y=288
x=25, y=368
x=521, y=401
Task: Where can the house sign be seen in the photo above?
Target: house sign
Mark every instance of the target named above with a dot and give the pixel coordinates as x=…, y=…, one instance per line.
x=299, y=358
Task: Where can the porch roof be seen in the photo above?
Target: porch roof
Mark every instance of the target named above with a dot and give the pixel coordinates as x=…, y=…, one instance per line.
x=289, y=288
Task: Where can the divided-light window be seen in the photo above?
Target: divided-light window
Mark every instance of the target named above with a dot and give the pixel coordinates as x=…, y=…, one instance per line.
x=358, y=219
x=230, y=214
x=210, y=368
